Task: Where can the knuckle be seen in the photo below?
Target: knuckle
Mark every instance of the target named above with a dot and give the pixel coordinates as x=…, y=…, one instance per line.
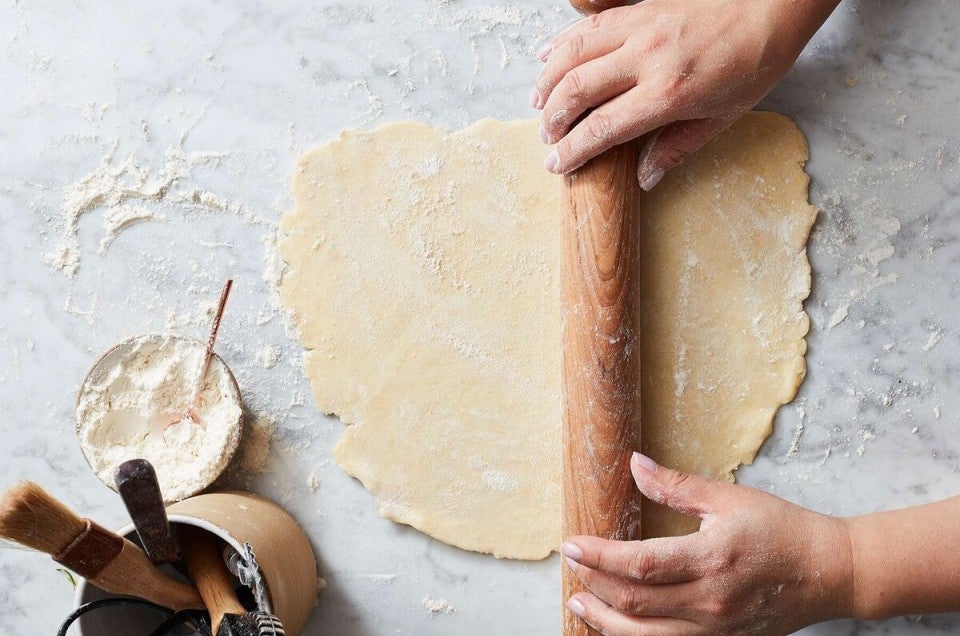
x=719, y=608
x=575, y=86
x=593, y=21
x=576, y=48
x=599, y=126
x=642, y=566
x=631, y=600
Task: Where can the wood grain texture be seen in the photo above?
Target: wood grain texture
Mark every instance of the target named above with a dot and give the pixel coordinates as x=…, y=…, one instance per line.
x=601, y=404
x=132, y=574
x=34, y=518
x=203, y=556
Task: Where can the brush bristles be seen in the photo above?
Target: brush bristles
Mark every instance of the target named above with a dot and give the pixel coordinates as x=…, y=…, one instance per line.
x=31, y=517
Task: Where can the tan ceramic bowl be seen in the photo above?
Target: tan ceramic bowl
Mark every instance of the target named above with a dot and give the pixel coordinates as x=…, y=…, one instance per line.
x=280, y=545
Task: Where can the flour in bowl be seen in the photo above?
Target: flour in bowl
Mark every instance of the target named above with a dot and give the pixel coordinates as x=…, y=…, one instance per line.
x=134, y=404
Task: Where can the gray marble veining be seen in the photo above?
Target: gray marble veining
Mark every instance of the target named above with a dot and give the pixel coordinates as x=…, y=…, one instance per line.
x=876, y=93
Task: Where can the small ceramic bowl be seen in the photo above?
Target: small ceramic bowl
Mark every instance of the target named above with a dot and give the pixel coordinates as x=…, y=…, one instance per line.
x=282, y=550
x=217, y=365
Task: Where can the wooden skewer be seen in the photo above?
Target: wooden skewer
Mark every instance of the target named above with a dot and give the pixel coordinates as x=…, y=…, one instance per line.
x=601, y=348
x=33, y=518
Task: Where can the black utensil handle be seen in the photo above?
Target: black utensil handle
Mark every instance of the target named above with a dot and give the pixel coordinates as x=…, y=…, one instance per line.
x=137, y=484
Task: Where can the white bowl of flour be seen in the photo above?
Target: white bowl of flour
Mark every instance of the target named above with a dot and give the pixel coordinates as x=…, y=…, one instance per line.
x=132, y=405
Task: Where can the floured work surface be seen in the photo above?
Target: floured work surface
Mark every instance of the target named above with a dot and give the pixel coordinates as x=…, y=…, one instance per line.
x=424, y=280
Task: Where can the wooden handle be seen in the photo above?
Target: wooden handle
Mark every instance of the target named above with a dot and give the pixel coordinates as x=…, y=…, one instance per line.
x=131, y=573
x=601, y=348
x=203, y=556
x=32, y=517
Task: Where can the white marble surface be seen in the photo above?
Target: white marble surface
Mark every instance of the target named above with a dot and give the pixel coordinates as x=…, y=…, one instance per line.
x=876, y=93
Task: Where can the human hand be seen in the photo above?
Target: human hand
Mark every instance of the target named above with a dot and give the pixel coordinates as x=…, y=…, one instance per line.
x=685, y=68
x=758, y=565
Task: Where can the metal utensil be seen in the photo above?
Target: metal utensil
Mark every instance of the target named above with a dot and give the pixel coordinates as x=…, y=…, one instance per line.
x=136, y=481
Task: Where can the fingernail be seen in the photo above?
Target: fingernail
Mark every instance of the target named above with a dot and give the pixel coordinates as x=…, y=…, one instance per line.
x=571, y=550
x=648, y=182
x=545, y=52
x=576, y=607
x=543, y=135
x=552, y=161
x=644, y=462
x=571, y=563
x=535, y=98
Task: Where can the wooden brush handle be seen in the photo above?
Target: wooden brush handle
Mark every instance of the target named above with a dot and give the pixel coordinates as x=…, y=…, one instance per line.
x=601, y=402
x=203, y=556
x=131, y=573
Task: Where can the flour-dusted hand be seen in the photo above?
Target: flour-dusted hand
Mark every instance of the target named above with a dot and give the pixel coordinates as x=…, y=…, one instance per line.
x=684, y=68
x=758, y=564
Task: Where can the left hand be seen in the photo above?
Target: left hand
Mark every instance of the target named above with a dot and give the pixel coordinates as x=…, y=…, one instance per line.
x=758, y=565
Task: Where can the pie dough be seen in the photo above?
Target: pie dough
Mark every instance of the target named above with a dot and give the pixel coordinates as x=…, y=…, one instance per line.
x=424, y=282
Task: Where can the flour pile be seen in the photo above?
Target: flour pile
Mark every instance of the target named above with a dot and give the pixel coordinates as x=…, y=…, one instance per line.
x=132, y=405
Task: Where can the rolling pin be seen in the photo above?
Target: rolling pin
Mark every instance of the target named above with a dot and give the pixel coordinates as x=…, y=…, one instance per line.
x=601, y=350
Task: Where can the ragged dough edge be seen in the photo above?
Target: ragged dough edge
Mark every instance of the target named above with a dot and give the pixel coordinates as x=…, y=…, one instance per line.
x=792, y=383
x=290, y=253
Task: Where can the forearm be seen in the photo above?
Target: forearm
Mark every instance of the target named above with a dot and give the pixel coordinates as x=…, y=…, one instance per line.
x=906, y=561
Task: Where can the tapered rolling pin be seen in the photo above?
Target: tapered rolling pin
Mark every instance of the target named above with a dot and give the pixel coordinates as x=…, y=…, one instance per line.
x=600, y=350
x=31, y=517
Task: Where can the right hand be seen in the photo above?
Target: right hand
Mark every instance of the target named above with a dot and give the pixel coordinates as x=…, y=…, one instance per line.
x=686, y=68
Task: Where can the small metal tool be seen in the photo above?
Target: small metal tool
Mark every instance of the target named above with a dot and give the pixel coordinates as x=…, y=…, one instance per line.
x=136, y=481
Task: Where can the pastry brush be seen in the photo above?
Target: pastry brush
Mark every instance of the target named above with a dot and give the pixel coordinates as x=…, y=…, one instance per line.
x=33, y=518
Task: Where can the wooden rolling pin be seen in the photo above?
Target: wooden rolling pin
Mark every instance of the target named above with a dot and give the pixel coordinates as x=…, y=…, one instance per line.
x=601, y=349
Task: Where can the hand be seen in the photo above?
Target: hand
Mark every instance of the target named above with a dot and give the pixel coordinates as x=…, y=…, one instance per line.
x=685, y=68
x=758, y=565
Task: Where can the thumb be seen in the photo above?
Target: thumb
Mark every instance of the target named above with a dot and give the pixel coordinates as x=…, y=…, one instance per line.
x=672, y=144
x=690, y=494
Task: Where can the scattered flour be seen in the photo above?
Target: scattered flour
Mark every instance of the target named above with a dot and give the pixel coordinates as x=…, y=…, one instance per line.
x=798, y=433
x=437, y=606
x=132, y=405
x=839, y=315
x=268, y=356
x=933, y=339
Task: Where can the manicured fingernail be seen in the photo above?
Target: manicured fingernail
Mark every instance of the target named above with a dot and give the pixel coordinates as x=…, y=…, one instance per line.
x=649, y=181
x=552, y=161
x=544, y=52
x=576, y=607
x=644, y=462
x=571, y=550
x=535, y=98
x=543, y=135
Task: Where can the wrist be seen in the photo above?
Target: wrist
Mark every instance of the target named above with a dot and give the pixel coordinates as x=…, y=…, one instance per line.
x=832, y=570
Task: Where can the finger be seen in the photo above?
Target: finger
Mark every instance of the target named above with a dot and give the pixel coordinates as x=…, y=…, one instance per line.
x=590, y=84
x=619, y=120
x=573, y=53
x=630, y=597
x=612, y=622
x=690, y=494
x=661, y=560
x=672, y=144
x=579, y=27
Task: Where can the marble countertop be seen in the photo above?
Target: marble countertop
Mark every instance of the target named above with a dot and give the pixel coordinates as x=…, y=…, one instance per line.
x=226, y=95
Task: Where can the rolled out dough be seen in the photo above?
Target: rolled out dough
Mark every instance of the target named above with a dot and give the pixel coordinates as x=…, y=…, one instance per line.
x=424, y=281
